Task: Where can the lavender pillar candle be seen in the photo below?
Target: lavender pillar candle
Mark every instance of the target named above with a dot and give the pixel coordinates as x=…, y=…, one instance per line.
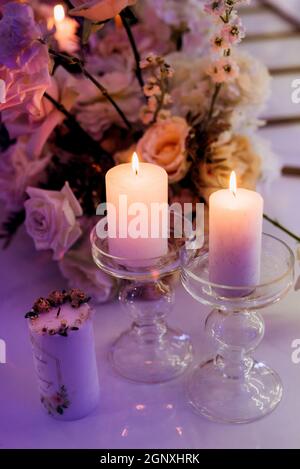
x=235, y=236
x=61, y=333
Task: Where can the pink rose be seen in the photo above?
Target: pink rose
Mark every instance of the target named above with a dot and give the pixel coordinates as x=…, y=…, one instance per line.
x=63, y=89
x=26, y=86
x=18, y=170
x=51, y=219
x=164, y=144
x=23, y=59
x=99, y=10
x=39, y=128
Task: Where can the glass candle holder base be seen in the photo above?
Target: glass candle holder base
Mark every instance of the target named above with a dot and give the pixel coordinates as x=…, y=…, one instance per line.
x=234, y=400
x=233, y=387
x=140, y=357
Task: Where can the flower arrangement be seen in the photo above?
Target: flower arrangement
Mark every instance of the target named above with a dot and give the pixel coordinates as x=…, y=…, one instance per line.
x=163, y=78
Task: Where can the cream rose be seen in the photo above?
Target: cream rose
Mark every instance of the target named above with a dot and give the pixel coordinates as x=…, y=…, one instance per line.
x=230, y=153
x=164, y=144
x=51, y=219
x=99, y=10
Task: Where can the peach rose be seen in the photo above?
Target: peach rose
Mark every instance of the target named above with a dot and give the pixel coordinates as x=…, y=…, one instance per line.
x=99, y=10
x=164, y=144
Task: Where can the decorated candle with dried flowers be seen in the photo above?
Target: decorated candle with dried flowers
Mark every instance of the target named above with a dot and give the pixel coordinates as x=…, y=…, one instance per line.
x=61, y=333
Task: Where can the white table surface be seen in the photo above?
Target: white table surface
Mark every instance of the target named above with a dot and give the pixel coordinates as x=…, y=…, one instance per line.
x=146, y=416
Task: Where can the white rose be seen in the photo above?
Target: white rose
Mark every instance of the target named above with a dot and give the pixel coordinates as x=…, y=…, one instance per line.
x=51, y=219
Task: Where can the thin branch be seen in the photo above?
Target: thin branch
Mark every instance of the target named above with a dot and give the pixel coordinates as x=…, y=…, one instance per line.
x=76, y=127
x=135, y=51
x=281, y=227
x=70, y=60
x=63, y=110
x=160, y=101
x=106, y=95
x=213, y=101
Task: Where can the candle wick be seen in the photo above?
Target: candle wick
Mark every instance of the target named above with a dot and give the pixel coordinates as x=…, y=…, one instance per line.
x=58, y=312
x=136, y=172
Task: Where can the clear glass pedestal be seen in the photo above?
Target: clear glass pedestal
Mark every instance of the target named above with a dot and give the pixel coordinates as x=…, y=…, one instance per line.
x=233, y=387
x=149, y=351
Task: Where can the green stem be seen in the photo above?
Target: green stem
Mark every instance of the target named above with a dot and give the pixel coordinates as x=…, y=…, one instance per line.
x=135, y=51
x=282, y=228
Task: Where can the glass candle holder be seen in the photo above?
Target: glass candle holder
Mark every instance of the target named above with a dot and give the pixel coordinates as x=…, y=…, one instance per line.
x=150, y=351
x=233, y=387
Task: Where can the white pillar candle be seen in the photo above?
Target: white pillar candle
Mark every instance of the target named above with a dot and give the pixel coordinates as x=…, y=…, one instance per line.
x=63, y=347
x=235, y=236
x=135, y=183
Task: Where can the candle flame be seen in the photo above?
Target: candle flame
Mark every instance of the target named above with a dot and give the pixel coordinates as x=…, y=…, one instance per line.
x=135, y=163
x=232, y=184
x=59, y=13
